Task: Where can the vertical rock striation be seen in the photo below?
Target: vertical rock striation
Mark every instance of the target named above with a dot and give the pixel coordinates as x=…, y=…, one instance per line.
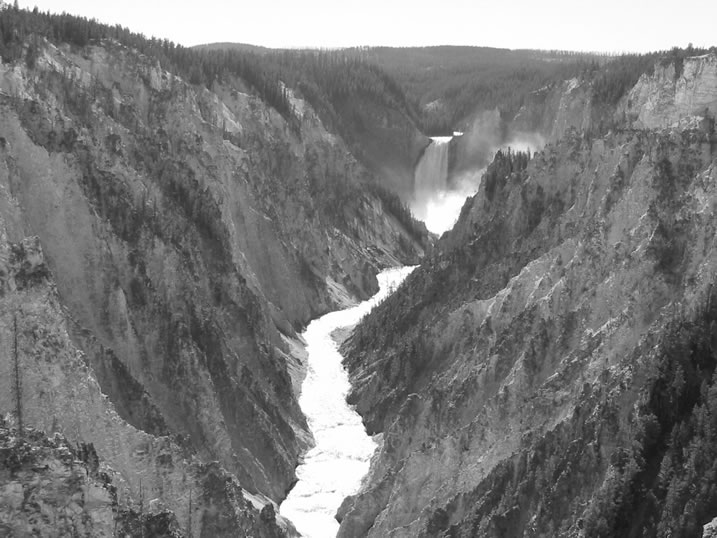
x=554, y=109
x=674, y=92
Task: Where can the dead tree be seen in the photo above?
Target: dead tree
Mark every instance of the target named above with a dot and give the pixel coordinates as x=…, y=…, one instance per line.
x=189, y=516
x=18, y=378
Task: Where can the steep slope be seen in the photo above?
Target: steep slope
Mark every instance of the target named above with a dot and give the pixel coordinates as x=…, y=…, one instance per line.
x=45, y=479
x=553, y=109
x=355, y=99
x=448, y=83
x=674, y=91
x=638, y=92
x=549, y=371
x=389, y=141
x=189, y=233
x=63, y=484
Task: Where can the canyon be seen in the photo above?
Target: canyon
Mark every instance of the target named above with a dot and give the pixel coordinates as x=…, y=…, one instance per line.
x=170, y=227
x=162, y=245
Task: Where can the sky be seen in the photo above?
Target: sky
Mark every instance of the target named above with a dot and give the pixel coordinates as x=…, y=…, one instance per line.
x=601, y=25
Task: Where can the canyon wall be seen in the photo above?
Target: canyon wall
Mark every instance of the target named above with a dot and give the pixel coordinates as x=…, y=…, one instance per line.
x=554, y=109
x=176, y=238
x=550, y=369
x=674, y=92
x=385, y=139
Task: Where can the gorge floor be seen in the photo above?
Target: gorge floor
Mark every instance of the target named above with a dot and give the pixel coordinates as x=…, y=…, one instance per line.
x=334, y=468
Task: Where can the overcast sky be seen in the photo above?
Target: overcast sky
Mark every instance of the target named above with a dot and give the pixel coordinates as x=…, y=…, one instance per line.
x=600, y=25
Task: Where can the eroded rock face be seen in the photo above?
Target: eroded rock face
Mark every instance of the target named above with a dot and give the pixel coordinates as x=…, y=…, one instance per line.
x=180, y=238
x=518, y=376
x=95, y=473
x=48, y=487
x=673, y=93
x=47, y=490
x=555, y=109
x=710, y=529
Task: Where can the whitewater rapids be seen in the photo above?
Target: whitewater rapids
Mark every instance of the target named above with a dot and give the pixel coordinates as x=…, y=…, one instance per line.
x=333, y=469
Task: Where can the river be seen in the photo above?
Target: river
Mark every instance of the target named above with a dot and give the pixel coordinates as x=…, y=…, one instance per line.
x=333, y=469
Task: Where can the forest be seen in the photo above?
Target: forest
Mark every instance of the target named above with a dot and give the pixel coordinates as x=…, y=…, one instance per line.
x=446, y=84
x=664, y=483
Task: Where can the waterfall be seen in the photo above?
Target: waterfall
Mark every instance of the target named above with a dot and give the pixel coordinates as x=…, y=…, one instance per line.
x=430, y=181
x=431, y=175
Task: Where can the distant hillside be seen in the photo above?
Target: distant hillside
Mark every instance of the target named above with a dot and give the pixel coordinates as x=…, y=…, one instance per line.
x=240, y=47
x=447, y=83
x=443, y=85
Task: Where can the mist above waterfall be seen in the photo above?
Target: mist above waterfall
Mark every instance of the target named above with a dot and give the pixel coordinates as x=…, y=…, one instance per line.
x=524, y=141
x=439, y=192
x=442, y=207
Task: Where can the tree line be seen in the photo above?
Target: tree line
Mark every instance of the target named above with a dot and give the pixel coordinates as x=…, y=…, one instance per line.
x=505, y=163
x=19, y=26
x=322, y=76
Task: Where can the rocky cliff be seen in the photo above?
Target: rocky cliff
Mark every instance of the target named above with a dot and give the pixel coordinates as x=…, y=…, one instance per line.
x=53, y=488
x=674, y=91
x=96, y=474
x=162, y=242
x=550, y=369
x=554, y=109
x=665, y=94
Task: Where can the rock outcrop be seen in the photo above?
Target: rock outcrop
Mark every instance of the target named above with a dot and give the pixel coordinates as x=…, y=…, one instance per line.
x=675, y=91
x=669, y=93
x=51, y=488
x=47, y=489
x=554, y=109
x=710, y=529
x=549, y=370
